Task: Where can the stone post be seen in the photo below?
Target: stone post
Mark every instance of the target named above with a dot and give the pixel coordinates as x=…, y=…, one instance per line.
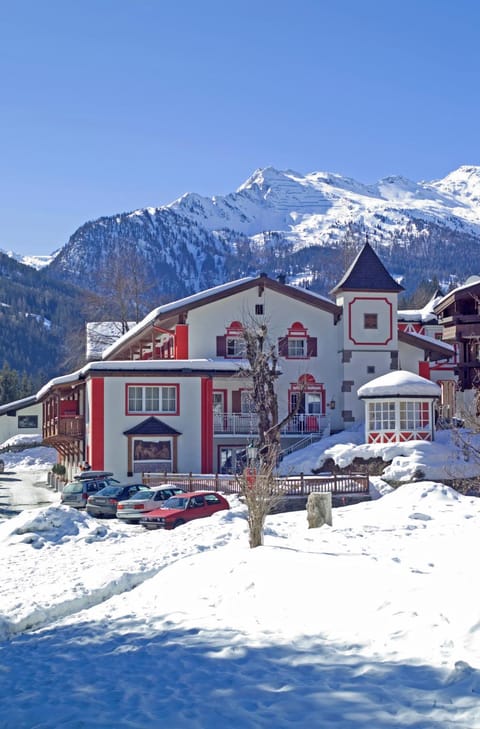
x=319, y=510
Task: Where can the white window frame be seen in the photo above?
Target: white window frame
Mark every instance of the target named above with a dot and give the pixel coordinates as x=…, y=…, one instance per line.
x=235, y=347
x=296, y=347
x=161, y=399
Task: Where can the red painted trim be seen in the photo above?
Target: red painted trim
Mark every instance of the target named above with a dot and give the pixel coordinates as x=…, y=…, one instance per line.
x=96, y=446
x=181, y=341
x=376, y=299
x=152, y=384
x=424, y=369
x=207, y=424
x=306, y=385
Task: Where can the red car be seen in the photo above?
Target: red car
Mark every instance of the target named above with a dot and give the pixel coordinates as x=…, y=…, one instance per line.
x=184, y=507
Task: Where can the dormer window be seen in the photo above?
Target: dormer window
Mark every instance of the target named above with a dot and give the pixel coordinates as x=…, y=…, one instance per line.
x=297, y=344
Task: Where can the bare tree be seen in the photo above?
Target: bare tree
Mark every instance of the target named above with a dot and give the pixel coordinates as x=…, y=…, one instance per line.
x=258, y=483
x=120, y=293
x=122, y=287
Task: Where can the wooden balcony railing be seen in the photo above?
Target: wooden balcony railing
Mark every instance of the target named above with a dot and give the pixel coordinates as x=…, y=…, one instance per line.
x=69, y=428
x=354, y=483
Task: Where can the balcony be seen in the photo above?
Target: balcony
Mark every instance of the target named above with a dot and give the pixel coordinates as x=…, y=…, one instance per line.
x=247, y=424
x=64, y=429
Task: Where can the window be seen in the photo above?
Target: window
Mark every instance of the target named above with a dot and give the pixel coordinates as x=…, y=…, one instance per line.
x=370, y=321
x=296, y=347
x=211, y=499
x=246, y=402
x=414, y=415
x=232, y=344
x=235, y=347
x=381, y=416
x=259, y=309
x=28, y=421
x=297, y=344
x=370, y=369
x=152, y=399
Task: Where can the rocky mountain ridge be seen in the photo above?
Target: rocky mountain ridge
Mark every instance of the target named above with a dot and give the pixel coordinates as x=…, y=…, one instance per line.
x=283, y=221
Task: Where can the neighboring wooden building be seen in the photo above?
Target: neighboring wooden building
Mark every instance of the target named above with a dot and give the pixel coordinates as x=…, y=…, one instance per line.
x=459, y=316
x=169, y=394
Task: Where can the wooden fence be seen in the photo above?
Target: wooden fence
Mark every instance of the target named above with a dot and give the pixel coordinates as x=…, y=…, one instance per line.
x=353, y=483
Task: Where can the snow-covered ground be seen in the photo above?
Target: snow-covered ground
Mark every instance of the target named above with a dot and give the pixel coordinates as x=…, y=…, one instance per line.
x=23, y=484
x=372, y=623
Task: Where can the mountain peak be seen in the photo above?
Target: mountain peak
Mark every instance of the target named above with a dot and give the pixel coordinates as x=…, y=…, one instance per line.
x=265, y=177
x=464, y=182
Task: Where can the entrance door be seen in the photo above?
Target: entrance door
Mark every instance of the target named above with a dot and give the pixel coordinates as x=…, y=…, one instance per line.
x=219, y=411
x=232, y=459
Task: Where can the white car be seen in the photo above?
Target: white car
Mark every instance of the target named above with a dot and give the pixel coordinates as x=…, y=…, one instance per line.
x=140, y=503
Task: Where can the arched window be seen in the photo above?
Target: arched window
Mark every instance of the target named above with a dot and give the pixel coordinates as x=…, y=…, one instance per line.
x=297, y=344
x=232, y=343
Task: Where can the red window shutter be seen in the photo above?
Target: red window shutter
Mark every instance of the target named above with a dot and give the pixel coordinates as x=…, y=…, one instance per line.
x=312, y=347
x=283, y=347
x=236, y=401
x=222, y=346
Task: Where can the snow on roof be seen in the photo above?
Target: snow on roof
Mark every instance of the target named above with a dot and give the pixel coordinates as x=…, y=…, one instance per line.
x=166, y=308
x=399, y=383
x=424, y=339
x=17, y=404
x=102, y=334
x=471, y=282
x=425, y=314
x=189, y=365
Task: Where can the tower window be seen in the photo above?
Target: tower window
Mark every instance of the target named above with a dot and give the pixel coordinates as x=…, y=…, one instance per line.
x=370, y=321
x=259, y=309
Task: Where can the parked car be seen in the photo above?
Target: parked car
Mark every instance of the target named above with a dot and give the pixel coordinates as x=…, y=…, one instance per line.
x=132, y=510
x=184, y=507
x=76, y=492
x=105, y=501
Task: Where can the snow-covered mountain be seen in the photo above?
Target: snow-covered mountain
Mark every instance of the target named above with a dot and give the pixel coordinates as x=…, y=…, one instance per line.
x=283, y=219
x=314, y=209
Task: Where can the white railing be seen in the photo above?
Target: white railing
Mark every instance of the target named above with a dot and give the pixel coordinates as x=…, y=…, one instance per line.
x=247, y=424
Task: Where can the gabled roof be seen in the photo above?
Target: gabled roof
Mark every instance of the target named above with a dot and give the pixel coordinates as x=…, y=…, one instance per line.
x=434, y=348
x=367, y=273
x=151, y=426
x=465, y=291
x=168, y=314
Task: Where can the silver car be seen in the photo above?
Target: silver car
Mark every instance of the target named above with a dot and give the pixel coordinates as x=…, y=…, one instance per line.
x=140, y=503
x=76, y=492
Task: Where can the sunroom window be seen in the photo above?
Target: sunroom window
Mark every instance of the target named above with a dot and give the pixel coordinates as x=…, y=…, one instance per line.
x=381, y=416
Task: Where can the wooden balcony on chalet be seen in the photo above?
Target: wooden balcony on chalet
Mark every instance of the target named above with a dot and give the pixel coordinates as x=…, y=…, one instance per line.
x=64, y=429
x=461, y=326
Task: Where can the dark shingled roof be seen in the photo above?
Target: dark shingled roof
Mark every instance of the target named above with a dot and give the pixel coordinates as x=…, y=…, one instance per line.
x=152, y=426
x=367, y=273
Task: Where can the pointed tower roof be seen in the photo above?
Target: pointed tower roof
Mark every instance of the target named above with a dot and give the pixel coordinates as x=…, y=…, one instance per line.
x=367, y=273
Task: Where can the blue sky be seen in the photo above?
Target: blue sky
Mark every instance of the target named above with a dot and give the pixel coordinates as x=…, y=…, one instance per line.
x=111, y=105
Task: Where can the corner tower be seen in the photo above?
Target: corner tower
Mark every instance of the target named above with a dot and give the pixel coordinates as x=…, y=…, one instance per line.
x=368, y=296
